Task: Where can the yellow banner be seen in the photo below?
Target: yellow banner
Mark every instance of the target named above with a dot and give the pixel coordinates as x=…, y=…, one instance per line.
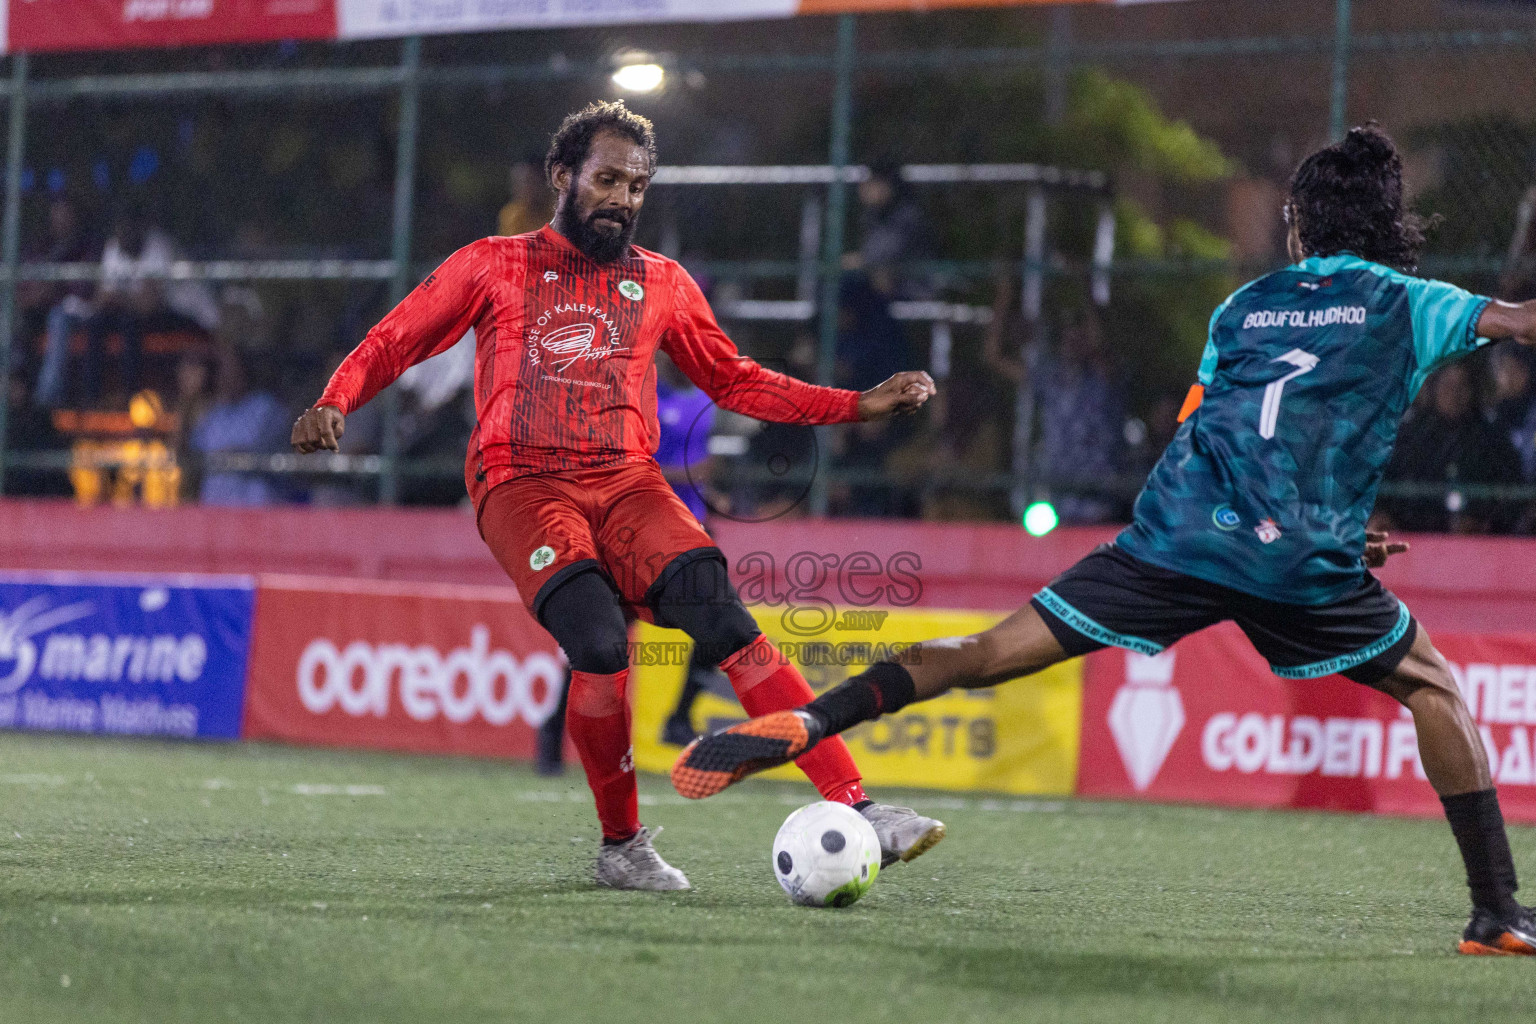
x=1018, y=738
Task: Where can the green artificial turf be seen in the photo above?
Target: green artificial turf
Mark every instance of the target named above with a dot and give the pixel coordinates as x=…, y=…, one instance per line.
x=250, y=883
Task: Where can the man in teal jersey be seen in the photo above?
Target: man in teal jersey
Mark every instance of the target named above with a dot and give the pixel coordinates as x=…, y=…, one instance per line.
x=1256, y=513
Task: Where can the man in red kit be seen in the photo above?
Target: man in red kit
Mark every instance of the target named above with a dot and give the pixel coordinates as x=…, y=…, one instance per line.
x=567, y=322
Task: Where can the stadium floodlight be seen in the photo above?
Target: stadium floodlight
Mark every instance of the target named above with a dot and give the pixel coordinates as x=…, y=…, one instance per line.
x=639, y=77
x=1040, y=518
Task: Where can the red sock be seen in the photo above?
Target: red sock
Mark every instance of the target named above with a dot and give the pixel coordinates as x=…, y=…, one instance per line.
x=597, y=717
x=765, y=681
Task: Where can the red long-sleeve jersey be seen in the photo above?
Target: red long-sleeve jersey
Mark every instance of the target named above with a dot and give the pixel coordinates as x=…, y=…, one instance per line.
x=565, y=373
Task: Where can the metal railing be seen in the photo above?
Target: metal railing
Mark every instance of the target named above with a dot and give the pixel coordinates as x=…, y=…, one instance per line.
x=409, y=76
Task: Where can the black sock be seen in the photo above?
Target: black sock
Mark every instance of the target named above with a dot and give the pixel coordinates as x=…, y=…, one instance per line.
x=1479, y=828
x=882, y=688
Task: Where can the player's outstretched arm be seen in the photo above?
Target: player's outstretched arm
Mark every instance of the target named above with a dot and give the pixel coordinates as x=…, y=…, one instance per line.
x=431, y=319
x=709, y=358
x=320, y=427
x=901, y=395
x=1516, y=320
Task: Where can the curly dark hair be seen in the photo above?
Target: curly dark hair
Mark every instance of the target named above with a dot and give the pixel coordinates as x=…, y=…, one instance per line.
x=574, y=137
x=1349, y=197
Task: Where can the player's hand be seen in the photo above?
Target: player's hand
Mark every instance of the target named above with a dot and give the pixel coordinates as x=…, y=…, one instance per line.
x=902, y=394
x=1378, y=549
x=320, y=427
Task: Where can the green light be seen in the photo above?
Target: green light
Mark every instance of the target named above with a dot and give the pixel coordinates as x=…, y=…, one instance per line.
x=1040, y=519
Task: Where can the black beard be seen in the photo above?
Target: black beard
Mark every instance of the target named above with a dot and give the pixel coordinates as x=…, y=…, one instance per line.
x=594, y=244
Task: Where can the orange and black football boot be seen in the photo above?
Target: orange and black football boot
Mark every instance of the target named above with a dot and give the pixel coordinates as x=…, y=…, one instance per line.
x=711, y=763
x=1490, y=934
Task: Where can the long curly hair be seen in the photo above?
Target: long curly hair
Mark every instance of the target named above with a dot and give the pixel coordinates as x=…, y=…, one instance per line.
x=1348, y=197
x=573, y=139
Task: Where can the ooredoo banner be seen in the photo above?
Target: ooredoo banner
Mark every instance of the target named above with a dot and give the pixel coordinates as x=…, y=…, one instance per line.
x=1207, y=722
x=146, y=657
x=416, y=667
x=1020, y=738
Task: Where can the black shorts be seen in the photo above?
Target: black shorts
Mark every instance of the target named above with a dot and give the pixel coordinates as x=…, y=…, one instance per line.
x=1110, y=599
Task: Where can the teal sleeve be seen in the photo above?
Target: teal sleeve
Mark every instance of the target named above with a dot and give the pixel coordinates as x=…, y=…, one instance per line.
x=1208, y=362
x=1209, y=357
x=1444, y=324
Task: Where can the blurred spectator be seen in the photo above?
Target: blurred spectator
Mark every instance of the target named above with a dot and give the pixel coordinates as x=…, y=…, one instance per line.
x=962, y=437
x=243, y=417
x=894, y=230
x=685, y=415
x=1518, y=281
x=1514, y=403
x=1446, y=442
x=132, y=298
x=438, y=380
x=1079, y=407
x=871, y=345
x=785, y=450
x=56, y=306
x=29, y=428
x=192, y=399
x=1147, y=438
x=1514, y=415
x=531, y=204
x=364, y=436
x=437, y=416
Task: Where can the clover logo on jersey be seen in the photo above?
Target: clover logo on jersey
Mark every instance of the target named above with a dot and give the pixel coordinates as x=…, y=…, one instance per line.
x=631, y=290
x=541, y=558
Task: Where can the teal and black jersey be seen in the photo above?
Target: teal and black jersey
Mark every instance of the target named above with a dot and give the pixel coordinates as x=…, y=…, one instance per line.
x=1268, y=484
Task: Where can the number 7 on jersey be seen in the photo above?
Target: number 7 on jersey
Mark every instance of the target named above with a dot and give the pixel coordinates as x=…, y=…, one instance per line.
x=1305, y=362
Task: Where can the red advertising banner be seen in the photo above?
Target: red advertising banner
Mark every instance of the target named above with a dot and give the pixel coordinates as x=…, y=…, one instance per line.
x=1207, y=722
x=122, y=24
x=415, y=667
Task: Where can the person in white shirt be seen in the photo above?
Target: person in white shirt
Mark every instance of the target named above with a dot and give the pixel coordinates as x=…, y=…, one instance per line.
x=135, y=296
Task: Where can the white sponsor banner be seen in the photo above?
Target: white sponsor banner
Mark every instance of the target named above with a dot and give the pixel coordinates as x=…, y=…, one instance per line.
x=365, y=19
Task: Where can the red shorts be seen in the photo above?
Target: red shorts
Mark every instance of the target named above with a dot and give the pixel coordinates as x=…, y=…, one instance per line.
x=625, y=520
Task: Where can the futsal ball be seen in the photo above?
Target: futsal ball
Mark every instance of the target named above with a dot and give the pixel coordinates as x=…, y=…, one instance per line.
x=826, y=855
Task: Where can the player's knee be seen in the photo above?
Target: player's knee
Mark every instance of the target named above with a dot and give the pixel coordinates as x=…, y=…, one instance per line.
x=602, y=655
x=721, y=632
x=1423, y=674
x=697, y=598
x=584, y=616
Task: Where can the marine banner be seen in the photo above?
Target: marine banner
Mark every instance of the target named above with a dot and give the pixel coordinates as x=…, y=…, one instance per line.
x=1020, y=738
x=1207, y=722
x=143, y=656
